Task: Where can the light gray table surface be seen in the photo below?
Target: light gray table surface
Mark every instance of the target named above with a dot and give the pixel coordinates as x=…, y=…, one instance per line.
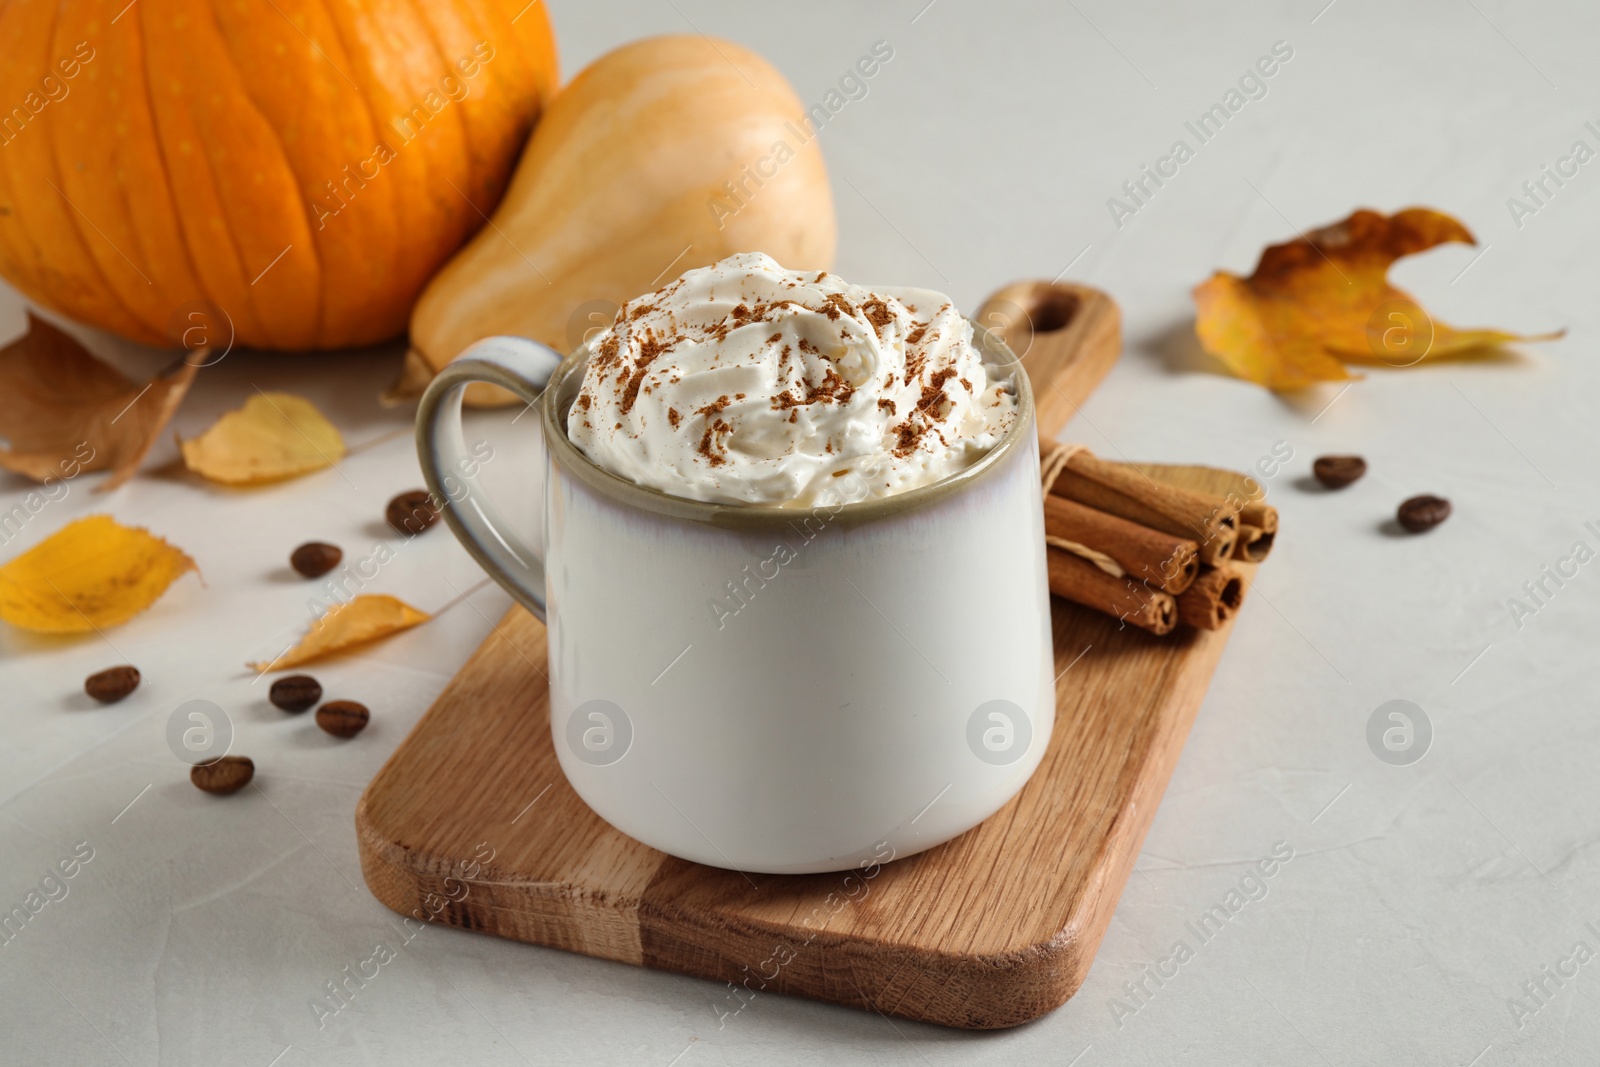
x=1421, y=899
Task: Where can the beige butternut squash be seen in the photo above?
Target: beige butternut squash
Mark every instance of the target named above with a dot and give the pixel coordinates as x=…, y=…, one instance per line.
x=665, y=154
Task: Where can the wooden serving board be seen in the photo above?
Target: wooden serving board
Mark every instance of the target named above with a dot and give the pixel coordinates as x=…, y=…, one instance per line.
x=471, y=822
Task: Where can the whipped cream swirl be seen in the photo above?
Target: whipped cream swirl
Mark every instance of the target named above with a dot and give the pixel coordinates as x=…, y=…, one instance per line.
x=744, y=383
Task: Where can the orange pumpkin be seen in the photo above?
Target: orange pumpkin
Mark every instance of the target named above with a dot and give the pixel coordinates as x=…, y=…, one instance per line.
x=302, y=166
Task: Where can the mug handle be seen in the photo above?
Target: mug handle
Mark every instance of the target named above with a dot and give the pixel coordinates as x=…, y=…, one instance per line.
x=523, y=367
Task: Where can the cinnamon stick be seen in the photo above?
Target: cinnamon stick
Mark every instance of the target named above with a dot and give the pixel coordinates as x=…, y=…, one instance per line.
x=1148, y=556
x=1261, y=515
x=1213, y=598
x=1254, y=543
x=1244, y=491
x=1258, y=525
x=1081, y=582
x=1212, y=522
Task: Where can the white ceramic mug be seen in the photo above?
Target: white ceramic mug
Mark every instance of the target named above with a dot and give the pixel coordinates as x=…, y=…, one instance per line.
x=771, y=689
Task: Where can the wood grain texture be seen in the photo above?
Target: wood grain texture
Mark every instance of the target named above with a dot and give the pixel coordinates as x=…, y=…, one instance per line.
x=471, y=823
x=1067, y=336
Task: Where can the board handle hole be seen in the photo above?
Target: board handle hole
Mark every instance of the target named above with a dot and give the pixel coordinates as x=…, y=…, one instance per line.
x=1053, y=309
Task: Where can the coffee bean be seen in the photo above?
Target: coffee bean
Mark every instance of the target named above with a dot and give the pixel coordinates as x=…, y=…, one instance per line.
x=314, y=558
x=343, y=718
x=411, y=513
x=112, y=684
x=1336, y=472
x=295, y=693
x=1423, y=513
x=223, y=776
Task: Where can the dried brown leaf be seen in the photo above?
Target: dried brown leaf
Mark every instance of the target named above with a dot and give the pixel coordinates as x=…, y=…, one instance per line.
x=63, y=412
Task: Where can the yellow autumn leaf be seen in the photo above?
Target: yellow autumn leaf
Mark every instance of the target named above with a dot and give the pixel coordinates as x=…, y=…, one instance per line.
x=354, y=622
x=273, y=437
x=91, y=574
x=1324, y=300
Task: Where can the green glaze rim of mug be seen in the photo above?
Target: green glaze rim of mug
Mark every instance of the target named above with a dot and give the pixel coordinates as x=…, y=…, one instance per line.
x=563, y=388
